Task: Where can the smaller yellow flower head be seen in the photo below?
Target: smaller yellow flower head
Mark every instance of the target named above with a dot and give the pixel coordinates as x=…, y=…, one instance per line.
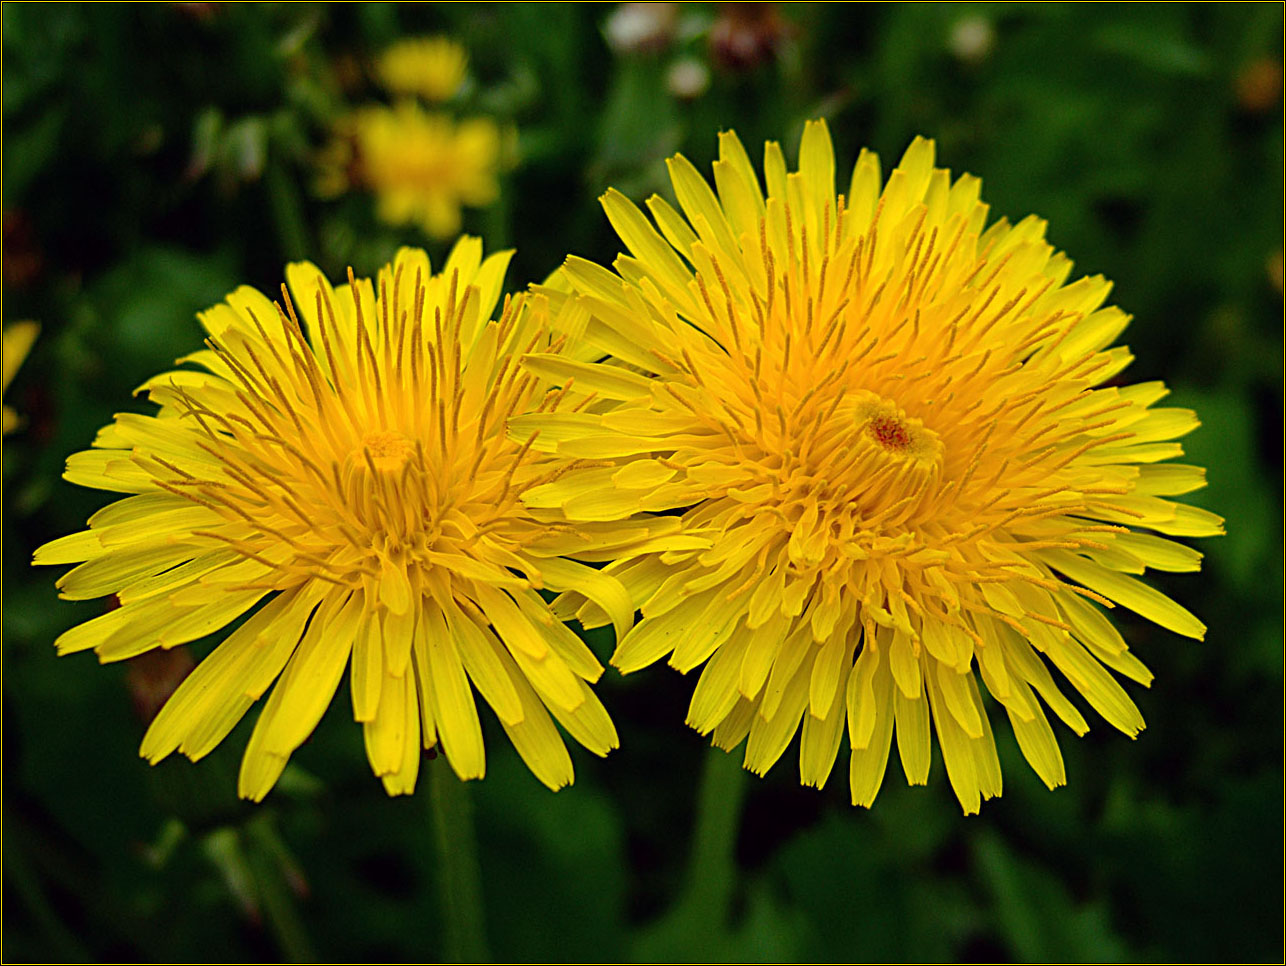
x=423, y=167
x=430, y=67
x=339, y=473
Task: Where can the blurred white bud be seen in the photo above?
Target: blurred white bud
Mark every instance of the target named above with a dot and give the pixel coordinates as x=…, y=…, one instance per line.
x=687, y=79
x=640, y=27
x=971, y=39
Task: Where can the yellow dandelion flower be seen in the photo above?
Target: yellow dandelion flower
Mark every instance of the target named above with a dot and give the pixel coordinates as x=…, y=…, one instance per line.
x=424, y=167
x=434, y=68
x=18, y=339
x=892, y=424
x=340, y=474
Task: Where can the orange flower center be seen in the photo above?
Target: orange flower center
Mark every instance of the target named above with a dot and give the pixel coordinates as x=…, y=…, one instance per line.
x=890, y=432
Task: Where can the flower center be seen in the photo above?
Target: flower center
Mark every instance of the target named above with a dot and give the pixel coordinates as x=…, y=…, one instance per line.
x=389, y=451
x=890, y=432
x=896, y=434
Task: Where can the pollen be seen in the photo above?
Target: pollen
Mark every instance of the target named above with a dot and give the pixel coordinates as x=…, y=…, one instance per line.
x=897, y=435
x=890, y=432
x=389, y=451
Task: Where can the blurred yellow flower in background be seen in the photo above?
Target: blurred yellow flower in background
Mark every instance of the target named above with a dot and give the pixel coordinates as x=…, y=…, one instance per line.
x=897, y=429
x=17, y=341
x=422, y=167
x=434, y=68
x=341, y=473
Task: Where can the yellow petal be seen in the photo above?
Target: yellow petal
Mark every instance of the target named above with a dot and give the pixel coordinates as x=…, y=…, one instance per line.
x=514, y=629
x=535, y=737
x=905, y=666
x=367, y=669
x=107, y=469
x=587, y=722
x=18, y=339
x=609, y=381
x=912, y=718
x=700, y=205
x=1128, y=592
x=388, y=733
x=215, y=687
x=313, y=674
x=654, y=637
x=770, y=735
x=761, y=651
x=870, y=760
x=73, y=548
x=716, y=692
x=455, y=713
x=819, y=743
x=1088, y=677
x=109, y=573
x=646, y=245
x=1169, y=479
x=260, y=768
x=603, y=589
x=1026, y=666
x=817, y=164
x=954, y=688
x=477, y=647
x=1039, y=746
x=834, y=659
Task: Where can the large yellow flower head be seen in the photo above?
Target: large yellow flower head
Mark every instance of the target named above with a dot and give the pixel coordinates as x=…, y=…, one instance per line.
x=891, y=426
x=341, y=472
x=434, y=68
x=423, y=167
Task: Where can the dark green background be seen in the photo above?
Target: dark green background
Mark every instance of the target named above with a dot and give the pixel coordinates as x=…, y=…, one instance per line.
x=156, y=156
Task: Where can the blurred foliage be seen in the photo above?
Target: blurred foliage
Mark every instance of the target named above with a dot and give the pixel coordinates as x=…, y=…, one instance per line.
x=157, y=155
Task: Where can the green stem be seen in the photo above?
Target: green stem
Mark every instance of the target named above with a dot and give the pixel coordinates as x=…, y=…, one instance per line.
x=712, y=867
x=458, y=874
x=696, y=928
x=265, y=853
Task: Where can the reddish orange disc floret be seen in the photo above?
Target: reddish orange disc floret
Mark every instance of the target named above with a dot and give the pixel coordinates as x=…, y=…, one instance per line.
x=890, y=432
